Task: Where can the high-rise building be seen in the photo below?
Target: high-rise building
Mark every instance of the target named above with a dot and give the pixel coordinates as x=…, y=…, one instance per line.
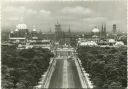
x=114, y=28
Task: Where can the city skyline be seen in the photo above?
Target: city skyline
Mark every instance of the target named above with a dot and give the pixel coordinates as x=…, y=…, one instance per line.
x=44, y=15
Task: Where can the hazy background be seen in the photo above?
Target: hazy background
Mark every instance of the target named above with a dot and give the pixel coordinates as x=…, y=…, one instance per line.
x=80, y=15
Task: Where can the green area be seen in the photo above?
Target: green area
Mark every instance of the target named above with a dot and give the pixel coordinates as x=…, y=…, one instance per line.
x=22, y=69
x=107, y=67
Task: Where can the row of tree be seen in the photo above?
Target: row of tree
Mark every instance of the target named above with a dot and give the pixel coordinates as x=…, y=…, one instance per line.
x=107, y=67
x=22, y=69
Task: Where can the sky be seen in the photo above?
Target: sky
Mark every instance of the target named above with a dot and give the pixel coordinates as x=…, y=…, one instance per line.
x=81, y=16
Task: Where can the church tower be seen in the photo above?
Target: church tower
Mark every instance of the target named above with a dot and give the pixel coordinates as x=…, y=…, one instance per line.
x=69, y=30
x=103, y=32
x=114, y=28
x=58, y=31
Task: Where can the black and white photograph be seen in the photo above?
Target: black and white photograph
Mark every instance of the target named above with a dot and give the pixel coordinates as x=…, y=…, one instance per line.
x=63, y=44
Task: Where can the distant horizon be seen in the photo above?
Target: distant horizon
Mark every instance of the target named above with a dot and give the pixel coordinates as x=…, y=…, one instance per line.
x=53, y=30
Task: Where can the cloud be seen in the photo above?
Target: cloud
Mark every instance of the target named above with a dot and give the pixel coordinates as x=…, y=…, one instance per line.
x=78, y=10
x=13, y=18
x=13, y=13
x=15, y=10
x=95, y=19
x=45, y=13
x=19, y=10
x=30, y=11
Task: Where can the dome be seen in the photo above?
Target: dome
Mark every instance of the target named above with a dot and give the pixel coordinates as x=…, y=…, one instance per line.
x=34, y=29
x=83, y=44
x=94, y=36
x=89, y=43
x=11, y=31
x=111, y=41
x=95, y=30
x=19, y=45
x=16, y=30
x=21, y=26
x=120, y=43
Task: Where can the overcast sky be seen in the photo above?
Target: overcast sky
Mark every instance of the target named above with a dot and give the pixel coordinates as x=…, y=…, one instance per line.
x=80, y=15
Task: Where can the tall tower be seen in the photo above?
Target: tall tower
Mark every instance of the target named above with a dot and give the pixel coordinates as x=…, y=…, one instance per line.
x=114, y=28
x=103, y=32
x=69, y=30
x=69, y=36
x=50, y=30
x=58, y=32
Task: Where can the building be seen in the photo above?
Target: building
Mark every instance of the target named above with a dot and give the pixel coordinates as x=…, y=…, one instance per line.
x=103, y=32
x=61, y=36
x=20, y=34
x=88, y=43
x=34, y=34
x=95, y=34
x=42, y=43
x=67, y=37
x=58, y=32
x=50, y=35
x=114, y=29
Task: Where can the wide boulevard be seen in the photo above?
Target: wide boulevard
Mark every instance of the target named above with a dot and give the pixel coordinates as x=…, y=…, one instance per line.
x=65, y=74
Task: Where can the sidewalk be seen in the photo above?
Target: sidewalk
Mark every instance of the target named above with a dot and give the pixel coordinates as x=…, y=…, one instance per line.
x=84, y=77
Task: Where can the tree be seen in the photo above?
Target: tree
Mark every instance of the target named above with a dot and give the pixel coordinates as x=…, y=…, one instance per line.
x=22, y=69
x=107, y=66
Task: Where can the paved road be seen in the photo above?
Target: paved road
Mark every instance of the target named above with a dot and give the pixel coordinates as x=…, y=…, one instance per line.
x=65, y=75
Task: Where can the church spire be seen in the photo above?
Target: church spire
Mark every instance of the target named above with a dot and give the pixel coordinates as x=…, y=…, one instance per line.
x=57, y=21
x=69, y=30
x=102, y=28
x=105, y=27
x=50, y=30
